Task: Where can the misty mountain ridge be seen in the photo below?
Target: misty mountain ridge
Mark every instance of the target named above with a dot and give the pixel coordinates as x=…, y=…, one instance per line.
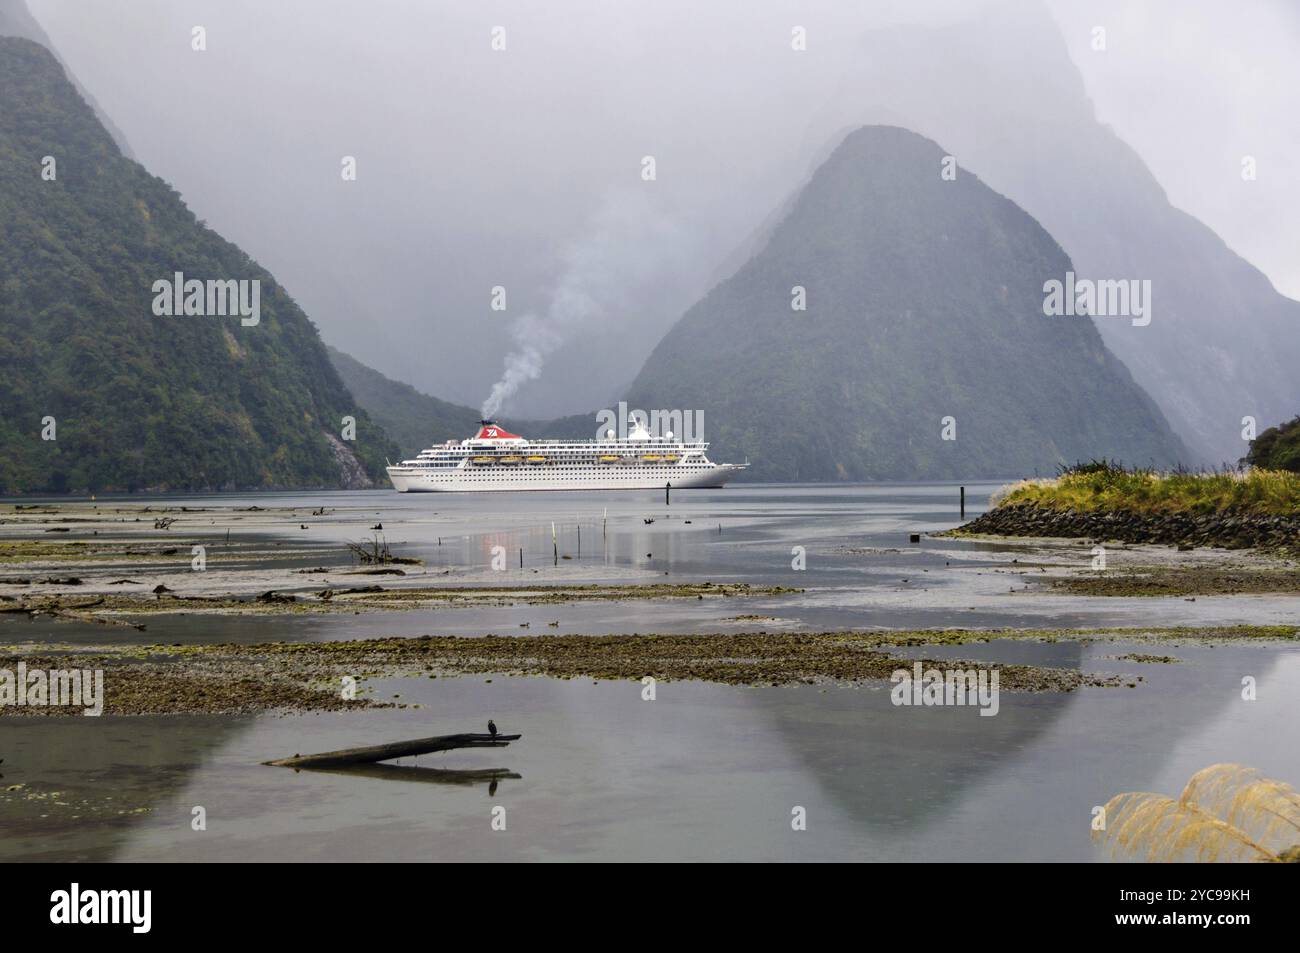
x=97, y=392
x=924, y=320
x=17, y=20
x=417, y=421
x=413, y=419
x=776, y=444
x=1222, y=343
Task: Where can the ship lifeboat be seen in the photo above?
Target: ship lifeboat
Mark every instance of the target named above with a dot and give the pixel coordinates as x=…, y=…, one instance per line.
x=610, y=458
x=512, y=460
x=651, y=457
x=536, y=459
x=670, y=458
x=480, y=460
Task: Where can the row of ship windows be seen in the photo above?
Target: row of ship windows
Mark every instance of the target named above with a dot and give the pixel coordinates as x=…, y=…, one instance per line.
x=505, y=479
x=584, y=470
x=576, y=469
x=436, y=464
x=524, y=451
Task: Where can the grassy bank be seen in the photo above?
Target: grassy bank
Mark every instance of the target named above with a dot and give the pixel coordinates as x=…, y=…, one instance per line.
x=1102, y=501
x=1104, y=486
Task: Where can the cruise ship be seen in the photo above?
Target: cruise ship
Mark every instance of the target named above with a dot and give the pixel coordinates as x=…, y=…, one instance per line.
x=494, y=459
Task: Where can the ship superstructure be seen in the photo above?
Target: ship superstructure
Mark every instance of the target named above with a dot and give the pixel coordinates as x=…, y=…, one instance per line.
x=495, y=459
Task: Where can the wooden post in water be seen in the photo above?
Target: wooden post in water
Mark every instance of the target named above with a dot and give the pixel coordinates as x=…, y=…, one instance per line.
x=963, y=502
x=667, y=490
x=521, y=557
x=579, y=540
x=555, y=547
x=603, y=521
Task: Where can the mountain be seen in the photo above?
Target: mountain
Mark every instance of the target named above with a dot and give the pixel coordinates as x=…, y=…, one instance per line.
x=17, y=20
x=1222, y=344
x=417, y=421
x=924, y=301
x=414, y=420
x=140, y=400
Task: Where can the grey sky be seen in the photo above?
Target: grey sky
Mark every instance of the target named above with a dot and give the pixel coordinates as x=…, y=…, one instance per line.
x=1193, y=86
x=479, y=168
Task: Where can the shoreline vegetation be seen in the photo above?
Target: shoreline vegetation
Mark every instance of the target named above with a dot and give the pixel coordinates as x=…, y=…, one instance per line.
x=1226, y=812
x=1104, y=501
x=300, y=677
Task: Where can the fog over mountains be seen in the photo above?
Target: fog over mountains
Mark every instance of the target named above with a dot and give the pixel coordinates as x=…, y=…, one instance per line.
x=524, y=171
x=99, y=390
x=924, y=320
x=480, y=169
x=17, y=20
x=1222, y=344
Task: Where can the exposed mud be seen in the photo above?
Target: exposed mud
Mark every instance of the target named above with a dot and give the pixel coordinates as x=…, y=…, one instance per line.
x=315, y=676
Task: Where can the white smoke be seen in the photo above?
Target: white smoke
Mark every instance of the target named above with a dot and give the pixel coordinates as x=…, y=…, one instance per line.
x=629, y=246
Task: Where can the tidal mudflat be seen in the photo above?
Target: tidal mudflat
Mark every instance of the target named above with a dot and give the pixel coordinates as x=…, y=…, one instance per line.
x=771, y=682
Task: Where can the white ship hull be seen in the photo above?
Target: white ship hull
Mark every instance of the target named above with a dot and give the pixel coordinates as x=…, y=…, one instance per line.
x=497, y=460
x=412, y=480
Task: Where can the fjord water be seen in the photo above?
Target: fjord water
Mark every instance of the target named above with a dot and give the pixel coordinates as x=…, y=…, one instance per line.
x=704, y=771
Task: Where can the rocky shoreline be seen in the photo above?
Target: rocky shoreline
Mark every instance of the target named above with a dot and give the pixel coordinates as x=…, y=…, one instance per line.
x=1226, y=530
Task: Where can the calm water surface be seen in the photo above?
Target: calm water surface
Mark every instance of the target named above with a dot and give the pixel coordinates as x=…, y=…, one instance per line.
x=704, y=771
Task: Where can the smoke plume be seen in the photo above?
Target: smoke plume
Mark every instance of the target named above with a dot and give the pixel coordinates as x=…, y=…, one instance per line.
x=630, y=246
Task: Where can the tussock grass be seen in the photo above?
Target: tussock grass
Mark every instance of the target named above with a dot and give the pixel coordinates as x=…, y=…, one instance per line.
x=1107, y=486
x=1227, y=812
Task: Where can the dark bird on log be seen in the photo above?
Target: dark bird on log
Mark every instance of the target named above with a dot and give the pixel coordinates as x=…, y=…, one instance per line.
x=492, y=728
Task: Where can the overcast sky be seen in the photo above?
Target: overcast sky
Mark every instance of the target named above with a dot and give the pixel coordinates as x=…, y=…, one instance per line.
x=1195, y=85
x=522, y=167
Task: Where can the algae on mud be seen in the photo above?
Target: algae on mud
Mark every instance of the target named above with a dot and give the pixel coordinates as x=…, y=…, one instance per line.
x=1179, y=581
x=306, y=676
x=122, y=608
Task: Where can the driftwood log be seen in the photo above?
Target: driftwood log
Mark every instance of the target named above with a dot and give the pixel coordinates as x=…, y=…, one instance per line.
x=397, y=749
x=402, y=772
